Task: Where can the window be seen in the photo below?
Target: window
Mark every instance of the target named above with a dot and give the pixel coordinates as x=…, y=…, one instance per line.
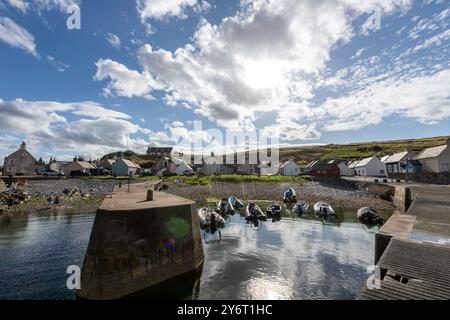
x=445, y=167
x=11, y=161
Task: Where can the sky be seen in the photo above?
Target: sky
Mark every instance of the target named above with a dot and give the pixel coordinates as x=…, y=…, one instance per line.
x=146, y=72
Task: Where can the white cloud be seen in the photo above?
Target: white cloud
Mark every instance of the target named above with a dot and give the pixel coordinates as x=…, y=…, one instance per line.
x=17, y=36
x=159, y=9
x=124, y=82
x=58, y=65
x=265, y=59
x=42, y=5
x=114, y=40
x=93, y=129
x=424, y=98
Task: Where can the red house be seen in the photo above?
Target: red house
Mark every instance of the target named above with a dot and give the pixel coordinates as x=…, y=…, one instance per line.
x=320, y=169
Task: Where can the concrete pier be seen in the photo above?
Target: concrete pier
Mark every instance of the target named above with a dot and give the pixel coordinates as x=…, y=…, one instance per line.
x=412, y=249
x=137, y=245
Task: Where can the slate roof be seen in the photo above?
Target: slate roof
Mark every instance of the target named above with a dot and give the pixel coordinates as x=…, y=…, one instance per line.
x=431, y=152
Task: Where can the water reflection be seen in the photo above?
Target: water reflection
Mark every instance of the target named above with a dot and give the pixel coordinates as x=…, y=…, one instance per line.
x=295, y=258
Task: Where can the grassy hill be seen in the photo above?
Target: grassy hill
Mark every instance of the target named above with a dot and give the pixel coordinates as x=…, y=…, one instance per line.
x=303, y=155
x=144, y=160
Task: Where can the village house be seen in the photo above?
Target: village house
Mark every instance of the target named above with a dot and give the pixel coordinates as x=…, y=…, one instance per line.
x=396, y=162
x=371, y=167
x=78, y=165
x=106, y=164
x=344, y=170
x=20, y=163
x=435, y=159
x=321, y=169
x=164, y=164
x=123, y=167
x=289, y=168
x=58, y=166
x=413, y=166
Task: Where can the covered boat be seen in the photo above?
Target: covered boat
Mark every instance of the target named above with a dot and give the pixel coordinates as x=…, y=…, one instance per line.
x=301, y=207
x=323, y=209
x=253, y=212
x=289, y=196
x=369, y=215
x=224, y=208
x=235, y=203
x=210, y=221
x=274, y=212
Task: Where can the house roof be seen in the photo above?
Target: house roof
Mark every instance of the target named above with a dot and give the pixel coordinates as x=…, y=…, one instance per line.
x=364, y=162
x=431, y=152
x=353, y=164
x=130, y=164
x=396, y=157
x=86, y=165
x=383, y=159
x=312, y=163
x=282, y=165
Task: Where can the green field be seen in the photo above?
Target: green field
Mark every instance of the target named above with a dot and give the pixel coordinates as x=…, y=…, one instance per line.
x=195, y=180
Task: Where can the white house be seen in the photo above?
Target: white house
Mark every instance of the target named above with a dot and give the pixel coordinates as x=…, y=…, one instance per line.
x=182, y=169
x=78, y=165
x=288, y=168
x=344, y=169
x=435, y=159
x=372, y=167
x=123, y=167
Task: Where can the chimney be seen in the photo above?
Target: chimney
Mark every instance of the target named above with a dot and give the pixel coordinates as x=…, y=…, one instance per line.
x=23, y=145
x=75, y=159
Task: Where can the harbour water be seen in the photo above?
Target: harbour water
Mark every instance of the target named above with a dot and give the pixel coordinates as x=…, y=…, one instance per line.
x=294, y=258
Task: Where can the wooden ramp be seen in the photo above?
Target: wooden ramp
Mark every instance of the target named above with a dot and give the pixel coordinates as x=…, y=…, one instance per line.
x=412, y=270
x=413, y=250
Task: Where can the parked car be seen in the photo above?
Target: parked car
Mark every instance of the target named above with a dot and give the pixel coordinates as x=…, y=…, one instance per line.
x=52, y=174
x=74, y=174
x=99, y=172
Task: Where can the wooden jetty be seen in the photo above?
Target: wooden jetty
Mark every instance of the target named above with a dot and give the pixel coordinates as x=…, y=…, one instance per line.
x=413, y=249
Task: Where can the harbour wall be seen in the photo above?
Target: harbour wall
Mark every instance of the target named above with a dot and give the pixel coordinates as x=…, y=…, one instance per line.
x=136, y=246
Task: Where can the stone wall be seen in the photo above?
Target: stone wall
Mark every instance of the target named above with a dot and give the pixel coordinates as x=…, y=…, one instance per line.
x=425, y=177
x=131, y=251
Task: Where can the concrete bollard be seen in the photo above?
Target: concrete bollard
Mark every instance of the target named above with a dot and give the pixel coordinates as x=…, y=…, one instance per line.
x=149, y=195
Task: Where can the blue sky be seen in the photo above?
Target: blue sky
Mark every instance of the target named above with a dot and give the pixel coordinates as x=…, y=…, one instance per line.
x=139, y=72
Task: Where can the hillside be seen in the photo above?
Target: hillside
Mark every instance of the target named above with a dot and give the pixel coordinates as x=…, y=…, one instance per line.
x=303, y=155
x=143, y=160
